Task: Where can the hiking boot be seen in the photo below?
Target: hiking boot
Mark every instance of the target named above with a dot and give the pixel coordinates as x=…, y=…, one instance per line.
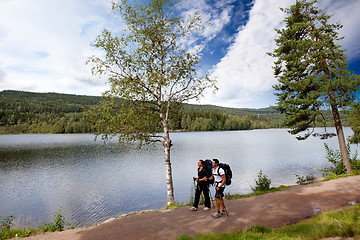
x=206, y=208
x=223, y=212
x=193, y=209
x=217, y=215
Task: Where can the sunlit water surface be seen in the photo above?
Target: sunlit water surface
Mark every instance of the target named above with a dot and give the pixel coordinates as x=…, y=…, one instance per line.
x=92, y=181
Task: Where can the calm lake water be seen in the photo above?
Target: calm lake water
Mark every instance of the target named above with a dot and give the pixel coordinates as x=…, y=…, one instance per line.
x=92, y=181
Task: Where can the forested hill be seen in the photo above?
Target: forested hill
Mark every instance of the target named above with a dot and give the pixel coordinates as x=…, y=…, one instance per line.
x=47, y=99
x=234, y=111
x=28, y=112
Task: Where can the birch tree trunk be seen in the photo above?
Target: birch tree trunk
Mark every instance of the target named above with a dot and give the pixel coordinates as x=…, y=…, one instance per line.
x=169, y=182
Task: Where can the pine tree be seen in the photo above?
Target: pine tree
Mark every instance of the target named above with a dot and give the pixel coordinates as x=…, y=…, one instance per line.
x=312, y=72
x=355, y=123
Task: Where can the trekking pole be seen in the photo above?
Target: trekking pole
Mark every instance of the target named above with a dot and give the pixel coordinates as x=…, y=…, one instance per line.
x=194, y=190
x=196, y=187
x=227, y=214
x=212, y=200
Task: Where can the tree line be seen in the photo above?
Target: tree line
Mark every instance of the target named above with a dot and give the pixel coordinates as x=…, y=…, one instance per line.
x=27, y=112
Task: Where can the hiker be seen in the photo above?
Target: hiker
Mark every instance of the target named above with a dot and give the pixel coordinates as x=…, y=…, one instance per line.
x=219, y=175
x=202, y=186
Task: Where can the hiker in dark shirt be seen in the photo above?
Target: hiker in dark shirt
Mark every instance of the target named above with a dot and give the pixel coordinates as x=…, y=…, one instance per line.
x=202, y=186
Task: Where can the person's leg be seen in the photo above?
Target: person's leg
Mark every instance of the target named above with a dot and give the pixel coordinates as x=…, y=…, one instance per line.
x=217, y=214
x=221, y=194
x=206, y=196
x=218, y=202
x=222, y=204
x=197, y=197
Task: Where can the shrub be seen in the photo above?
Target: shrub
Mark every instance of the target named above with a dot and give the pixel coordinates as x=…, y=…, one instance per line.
x=5, y=225
x=6, y=222
x=301, y=179
x=7, y=230
x=262, y=183
x=59, y=223
x=334, y=157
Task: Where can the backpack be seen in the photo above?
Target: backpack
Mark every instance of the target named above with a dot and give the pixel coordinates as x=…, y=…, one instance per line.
x=209, y=167
x=228, y=172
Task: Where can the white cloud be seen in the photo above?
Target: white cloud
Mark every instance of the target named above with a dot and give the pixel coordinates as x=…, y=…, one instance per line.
x=214, y=18
x=2, y=75
x=245, y=74
x=44, y=44
x=347, y=13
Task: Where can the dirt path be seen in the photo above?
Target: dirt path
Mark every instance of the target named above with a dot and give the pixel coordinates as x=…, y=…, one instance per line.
x=271, y=210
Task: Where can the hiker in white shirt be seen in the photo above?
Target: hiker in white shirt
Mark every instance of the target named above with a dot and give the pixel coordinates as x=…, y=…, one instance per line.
x=219, y=175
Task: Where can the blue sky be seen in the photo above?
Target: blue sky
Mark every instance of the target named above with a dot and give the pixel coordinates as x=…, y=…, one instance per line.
x=44, y=45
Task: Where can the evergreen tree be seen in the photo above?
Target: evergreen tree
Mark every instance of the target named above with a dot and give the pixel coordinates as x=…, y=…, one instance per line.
x=312, y=72
x=355, y=123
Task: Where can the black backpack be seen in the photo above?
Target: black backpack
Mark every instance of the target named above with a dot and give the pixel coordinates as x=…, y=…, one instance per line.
x=209, y=167
x=228, y=172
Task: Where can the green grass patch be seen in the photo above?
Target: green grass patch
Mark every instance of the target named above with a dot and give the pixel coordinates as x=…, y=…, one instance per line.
x=341, y=223
x=274, y=189
x=332, y=176
x=176, y=205
x=7, y=230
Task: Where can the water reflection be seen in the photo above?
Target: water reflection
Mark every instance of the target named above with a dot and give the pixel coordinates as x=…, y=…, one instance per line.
x=91, y=181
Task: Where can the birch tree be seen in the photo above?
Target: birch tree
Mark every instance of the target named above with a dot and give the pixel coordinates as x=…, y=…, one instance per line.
x=150, y=74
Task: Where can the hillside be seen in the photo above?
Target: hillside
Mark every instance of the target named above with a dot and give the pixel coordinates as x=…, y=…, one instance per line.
x=233, y=111
x=29, y=112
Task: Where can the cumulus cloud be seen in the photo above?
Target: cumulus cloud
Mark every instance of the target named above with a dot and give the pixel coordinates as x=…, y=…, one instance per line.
x=214, y=18
x=245, y=74
x=44, y=44
x=347, y=13
x=2, y=75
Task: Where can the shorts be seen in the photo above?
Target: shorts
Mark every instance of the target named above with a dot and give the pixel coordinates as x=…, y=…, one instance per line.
x=219, y=193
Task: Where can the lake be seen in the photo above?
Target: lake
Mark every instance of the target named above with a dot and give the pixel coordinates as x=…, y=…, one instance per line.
x=92, y=181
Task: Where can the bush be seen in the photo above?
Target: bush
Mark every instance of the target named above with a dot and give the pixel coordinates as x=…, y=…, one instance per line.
x=5, y=225
x=301, y=179
x=7, y=230
x=262, y=183
x=334, y=157
x=58, y=225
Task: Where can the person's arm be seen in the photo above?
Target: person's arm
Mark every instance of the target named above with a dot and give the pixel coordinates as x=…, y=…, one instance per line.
x=201, y=179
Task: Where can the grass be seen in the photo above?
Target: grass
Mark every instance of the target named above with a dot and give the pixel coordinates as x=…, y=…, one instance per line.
x=15, y=232
x=340, y=223
x=229, y=197
x=274, y=189
x=7, y=230
x=331, y=176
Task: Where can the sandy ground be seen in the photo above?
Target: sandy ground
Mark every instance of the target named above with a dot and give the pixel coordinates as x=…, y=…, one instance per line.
x=270, y=210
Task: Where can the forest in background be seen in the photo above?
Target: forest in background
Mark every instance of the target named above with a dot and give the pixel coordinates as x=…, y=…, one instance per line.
x=28, y=112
